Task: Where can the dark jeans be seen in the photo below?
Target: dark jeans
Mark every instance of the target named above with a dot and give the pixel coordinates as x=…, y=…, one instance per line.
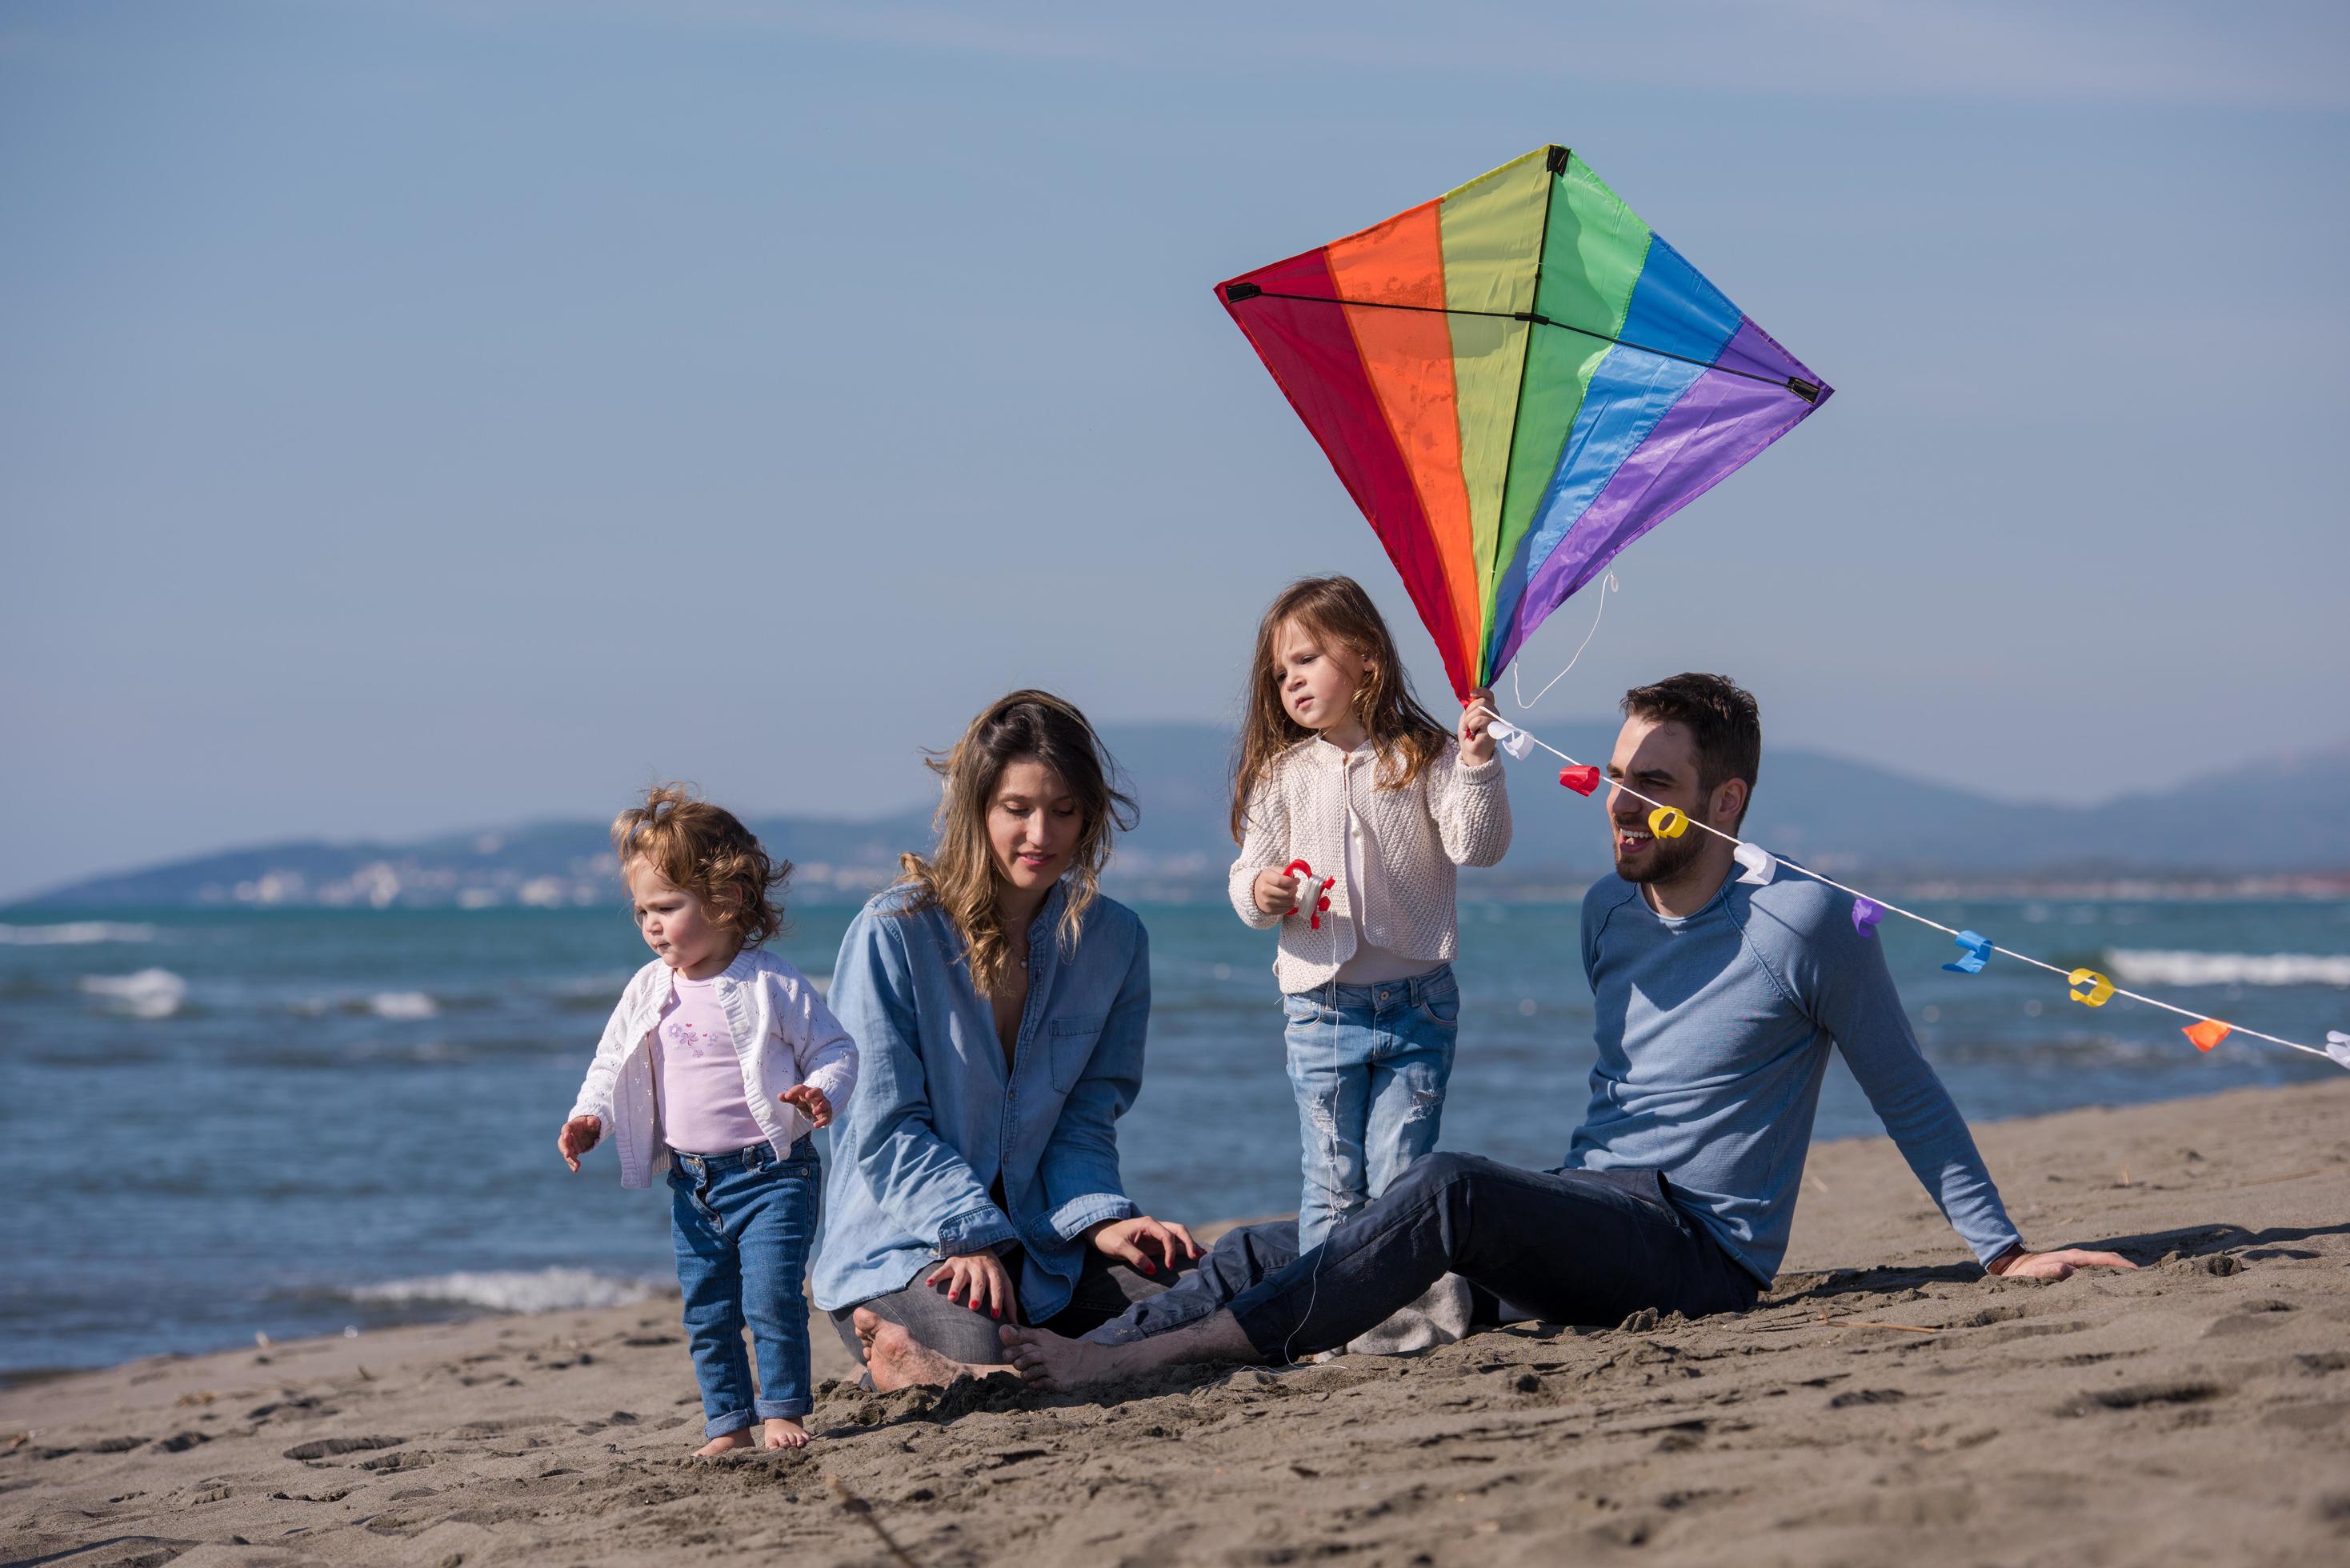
x=742, y=1223
x=1104, y=1291
x=1587, y=1247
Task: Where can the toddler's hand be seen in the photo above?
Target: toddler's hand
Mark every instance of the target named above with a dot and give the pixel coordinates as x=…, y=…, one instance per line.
x=811, y=1103
x=1275, y=891
x=579, y=1135
x=1476, y=728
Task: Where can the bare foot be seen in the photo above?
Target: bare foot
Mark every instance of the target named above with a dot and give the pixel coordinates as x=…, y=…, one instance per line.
x=1048, y=1361
x=717, y=1445
x=783, y=1432
x=898, y=1360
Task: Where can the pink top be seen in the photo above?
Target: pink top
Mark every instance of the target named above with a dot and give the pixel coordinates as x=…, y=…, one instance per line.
x=698, y=1078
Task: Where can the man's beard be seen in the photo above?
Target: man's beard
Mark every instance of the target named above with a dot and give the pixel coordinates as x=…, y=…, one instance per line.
x=1666, y=857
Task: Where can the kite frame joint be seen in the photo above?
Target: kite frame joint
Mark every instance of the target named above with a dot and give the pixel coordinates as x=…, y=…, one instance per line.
x=1237, y=291
x=1807, y=390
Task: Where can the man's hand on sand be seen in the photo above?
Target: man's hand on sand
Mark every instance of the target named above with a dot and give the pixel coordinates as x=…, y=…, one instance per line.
x=578, y=1135
x=1151, y=1246
x=810, y=1102
x=2020, y=1264
x=978, y=1281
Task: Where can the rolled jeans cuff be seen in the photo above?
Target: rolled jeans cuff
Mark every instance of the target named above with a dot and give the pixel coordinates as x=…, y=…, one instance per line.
x=782, y=1410
x=731, y=1422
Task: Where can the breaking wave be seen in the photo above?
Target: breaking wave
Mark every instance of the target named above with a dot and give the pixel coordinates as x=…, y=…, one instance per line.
x=150, y=993
x=73, y=933
x=512, y=1290
x=403, y=1004
x=2150, y=967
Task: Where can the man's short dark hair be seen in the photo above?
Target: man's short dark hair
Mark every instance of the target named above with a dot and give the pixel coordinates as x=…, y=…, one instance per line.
x=1718, y=714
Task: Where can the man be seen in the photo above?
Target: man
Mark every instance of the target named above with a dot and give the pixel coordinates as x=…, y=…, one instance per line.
x=1718, y=1001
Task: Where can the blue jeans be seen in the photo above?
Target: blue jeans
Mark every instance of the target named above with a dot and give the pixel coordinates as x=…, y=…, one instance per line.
x=742, y=1223
x=1588, y=1246
x=1368, y=1065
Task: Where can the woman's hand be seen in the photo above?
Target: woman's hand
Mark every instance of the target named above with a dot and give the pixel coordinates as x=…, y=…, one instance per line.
x=1133, y=1242
x=1476, y=727
x=810, y=1102
x=579, y=1135
x=1275, y=891
x=975, y=1280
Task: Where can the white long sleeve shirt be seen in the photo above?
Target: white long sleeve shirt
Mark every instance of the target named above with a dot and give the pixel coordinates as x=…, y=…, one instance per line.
x=782, y=1035
x=1396, y=854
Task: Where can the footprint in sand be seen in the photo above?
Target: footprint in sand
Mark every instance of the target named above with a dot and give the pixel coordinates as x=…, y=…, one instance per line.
x=327, y=1447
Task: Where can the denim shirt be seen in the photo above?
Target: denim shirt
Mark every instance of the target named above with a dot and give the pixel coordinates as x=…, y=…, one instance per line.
x=937, y=1120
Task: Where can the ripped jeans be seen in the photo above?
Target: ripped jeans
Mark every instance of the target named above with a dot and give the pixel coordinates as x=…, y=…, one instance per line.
x=1369, y=1075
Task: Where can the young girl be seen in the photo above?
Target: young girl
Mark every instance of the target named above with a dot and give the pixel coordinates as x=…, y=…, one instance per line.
x=1342, y=769
x=718, y=1062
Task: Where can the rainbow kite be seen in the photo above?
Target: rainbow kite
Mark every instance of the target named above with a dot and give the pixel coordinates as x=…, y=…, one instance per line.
x=1515, y=381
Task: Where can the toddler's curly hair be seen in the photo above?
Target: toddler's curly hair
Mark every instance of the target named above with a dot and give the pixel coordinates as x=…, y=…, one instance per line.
x=706, y=850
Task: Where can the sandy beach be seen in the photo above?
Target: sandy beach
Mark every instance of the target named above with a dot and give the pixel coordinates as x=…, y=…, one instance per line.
x=1883, y=1404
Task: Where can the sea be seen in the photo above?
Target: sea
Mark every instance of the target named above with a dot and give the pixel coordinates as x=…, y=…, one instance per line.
x=221, y=1123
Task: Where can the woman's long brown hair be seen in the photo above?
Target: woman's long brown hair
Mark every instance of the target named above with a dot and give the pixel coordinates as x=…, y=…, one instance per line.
x=961, y=877
x=1335, y=610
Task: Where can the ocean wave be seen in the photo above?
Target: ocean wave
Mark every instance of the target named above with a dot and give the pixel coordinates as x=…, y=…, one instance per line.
x=73, y=933
x=150, y=993
x=512, y=1290
x=403, y=1004
x=2150, y=967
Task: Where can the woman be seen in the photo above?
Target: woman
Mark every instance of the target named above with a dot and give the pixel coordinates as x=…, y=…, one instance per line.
x=999, y=1004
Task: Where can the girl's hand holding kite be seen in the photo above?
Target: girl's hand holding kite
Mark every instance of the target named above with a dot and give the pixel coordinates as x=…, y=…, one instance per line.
x=1476, y=728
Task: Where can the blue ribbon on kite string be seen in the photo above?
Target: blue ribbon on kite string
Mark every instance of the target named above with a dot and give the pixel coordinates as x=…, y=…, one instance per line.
x=1907, y=914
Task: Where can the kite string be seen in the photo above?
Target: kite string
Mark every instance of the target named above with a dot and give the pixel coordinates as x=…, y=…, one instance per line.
x=1896, y=909
x=1523, y=702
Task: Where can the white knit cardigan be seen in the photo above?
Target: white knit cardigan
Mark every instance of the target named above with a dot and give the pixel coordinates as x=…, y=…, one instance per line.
x=1413, y=840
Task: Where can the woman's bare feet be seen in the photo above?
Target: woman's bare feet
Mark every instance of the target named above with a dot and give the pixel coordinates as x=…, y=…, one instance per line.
x=783, y=1432
x=717, y=1445
x=896, y=1359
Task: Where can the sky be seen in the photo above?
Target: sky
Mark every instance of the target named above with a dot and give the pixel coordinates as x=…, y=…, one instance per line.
x=439, y=414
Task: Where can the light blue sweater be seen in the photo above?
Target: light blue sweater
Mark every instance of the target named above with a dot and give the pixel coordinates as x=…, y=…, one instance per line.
x=1713, y=1034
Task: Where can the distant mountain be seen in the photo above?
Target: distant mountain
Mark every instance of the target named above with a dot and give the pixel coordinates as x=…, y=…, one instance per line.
x=2284, y=815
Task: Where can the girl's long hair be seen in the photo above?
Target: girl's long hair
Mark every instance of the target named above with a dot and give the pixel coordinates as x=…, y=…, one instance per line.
x=1336, y=611
x=961, y=878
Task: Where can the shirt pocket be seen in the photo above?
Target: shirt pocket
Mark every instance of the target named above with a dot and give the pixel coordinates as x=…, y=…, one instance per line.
x=1072, y=1042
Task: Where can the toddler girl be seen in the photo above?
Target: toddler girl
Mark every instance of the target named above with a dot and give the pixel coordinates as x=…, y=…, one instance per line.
x=717, y=1064
x=1340, y=768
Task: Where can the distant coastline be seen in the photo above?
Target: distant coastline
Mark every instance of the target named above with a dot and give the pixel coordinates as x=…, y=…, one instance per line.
x=1843, y=817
